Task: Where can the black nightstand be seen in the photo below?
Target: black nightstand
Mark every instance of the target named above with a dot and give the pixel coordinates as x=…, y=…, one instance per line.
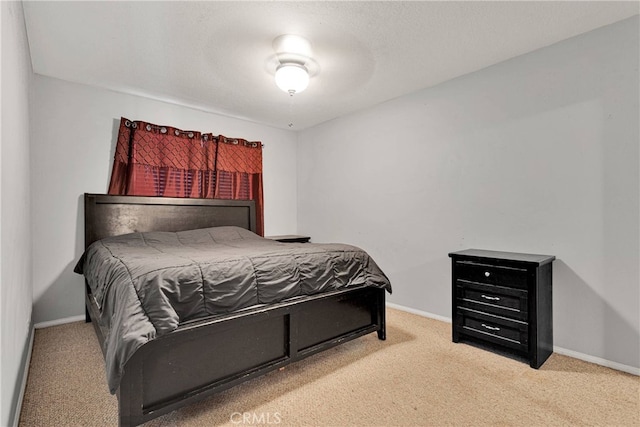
x=502, y=301
x=290, y=238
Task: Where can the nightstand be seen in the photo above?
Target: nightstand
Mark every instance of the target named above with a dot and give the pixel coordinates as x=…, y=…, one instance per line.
x=289, y=238
x=502, y=302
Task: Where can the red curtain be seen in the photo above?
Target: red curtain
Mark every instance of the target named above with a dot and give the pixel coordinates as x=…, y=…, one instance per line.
x=239, y=173
x=152, y=160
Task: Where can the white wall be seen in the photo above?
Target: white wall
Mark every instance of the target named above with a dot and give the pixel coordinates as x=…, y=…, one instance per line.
x=15, y=250
x=75, y=129
x=538, y=154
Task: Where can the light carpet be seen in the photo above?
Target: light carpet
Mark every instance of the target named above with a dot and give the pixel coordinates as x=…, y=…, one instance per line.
x=417, y=377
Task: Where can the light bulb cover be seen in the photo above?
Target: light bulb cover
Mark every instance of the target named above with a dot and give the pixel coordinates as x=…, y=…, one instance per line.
x=292, y=78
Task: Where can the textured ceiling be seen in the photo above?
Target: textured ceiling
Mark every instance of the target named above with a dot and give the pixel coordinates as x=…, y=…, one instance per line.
x=218, y=56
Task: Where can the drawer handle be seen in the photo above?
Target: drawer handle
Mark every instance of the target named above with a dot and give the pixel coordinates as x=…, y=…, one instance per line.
x=491, y=328
x=490, y=298
x=487, y=274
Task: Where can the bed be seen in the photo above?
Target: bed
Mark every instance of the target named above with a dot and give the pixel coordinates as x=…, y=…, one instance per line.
x=205, y=355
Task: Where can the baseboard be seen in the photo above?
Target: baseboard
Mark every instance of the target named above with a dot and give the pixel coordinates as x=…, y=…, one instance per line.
x=576, y=355
x=597, y=360
x=21, y=385
x=58, y=322
x=419, y=312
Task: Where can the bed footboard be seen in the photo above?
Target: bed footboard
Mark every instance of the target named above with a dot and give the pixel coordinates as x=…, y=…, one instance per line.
x=199, y=360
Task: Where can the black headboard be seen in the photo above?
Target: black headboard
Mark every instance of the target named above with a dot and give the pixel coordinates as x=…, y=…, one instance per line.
x=106, y=215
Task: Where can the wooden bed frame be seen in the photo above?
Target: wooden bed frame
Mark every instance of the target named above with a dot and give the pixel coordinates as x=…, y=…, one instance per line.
x=207, y=356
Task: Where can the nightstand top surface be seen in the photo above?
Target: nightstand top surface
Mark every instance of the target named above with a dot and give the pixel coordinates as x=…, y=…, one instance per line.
x=289, y=238
x=508, y=256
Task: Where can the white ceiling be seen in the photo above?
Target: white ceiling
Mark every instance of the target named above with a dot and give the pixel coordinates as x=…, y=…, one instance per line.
x=218, y=56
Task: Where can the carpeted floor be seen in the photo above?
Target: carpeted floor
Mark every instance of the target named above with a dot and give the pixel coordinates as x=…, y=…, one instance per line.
x=418, y=377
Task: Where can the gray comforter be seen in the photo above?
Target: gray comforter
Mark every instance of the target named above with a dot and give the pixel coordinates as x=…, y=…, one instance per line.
x=147, y=284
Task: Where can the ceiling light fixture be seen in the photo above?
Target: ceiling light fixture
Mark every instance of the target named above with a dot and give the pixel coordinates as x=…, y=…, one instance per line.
x=293, y=53
x=292, y=78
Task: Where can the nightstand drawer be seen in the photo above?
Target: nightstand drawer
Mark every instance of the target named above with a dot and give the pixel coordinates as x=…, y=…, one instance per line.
x=493, y=329
x=497, y=300
x=511, y=277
